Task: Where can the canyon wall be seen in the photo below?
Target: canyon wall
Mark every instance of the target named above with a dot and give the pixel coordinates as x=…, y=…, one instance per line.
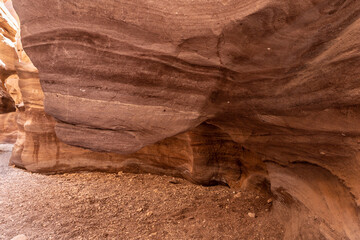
x=38, y=149
x=9, y=92
x=242, y=93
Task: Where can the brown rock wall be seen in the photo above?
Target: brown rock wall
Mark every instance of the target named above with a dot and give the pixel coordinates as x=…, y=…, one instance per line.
x=206, y=90
x=8, y=30
x=8, y=127
x=188, y=155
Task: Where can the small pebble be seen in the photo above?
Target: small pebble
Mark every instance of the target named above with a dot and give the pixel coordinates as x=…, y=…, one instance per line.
x=153, y=234
x=238, y=195
x=174, y=181
x=20, y=237
x=252, y=215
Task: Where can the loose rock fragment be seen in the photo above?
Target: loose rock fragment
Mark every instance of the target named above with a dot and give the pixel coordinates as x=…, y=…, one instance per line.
x=20, y=237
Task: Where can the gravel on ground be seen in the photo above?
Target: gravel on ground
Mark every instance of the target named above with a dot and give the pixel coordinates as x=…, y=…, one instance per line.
x=94, y=205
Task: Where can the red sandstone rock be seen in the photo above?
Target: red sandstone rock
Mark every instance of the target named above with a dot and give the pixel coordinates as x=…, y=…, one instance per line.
x=39, y=150
x=205, y=89
x=8, y=128
x=8, y=30
x=7, y=104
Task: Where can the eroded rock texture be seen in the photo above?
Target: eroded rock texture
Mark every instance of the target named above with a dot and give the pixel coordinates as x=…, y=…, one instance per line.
x=6, y=102
x=8, y=30
x=9, y=92
x=205, y=90
x=8, y=127
x=192, y=155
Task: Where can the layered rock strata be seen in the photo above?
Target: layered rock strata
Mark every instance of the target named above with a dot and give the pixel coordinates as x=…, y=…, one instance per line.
x=38, y=149
x=7, y=104
x=205, y=90
x=190, y=155
x=9, y=92
x=8, y=30
x=8, y=127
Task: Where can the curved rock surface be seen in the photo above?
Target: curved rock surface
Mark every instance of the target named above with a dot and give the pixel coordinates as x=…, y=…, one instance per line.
x=191, y=155
x=7, y=104
x=8, y=127
x=8, y=30
x=38, y=149
x=204, y=87
x=8, y=83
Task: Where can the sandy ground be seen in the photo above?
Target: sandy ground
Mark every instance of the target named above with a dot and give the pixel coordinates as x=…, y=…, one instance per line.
x=126, y=206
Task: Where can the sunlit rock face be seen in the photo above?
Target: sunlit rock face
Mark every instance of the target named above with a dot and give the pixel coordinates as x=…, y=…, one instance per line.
x=9, y=92
x=266, y=85
x=8, y=30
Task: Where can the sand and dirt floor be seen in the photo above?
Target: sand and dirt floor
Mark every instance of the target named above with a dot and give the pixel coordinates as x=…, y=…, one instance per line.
x=92, y=205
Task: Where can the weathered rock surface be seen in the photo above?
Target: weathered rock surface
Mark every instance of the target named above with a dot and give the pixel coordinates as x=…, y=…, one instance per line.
x=7, y=104
x=8, y=82
x=8, y=30
x=194, y=155
x=10, y=94
x=8, y=127
x=203, y=89
x=39, y=150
